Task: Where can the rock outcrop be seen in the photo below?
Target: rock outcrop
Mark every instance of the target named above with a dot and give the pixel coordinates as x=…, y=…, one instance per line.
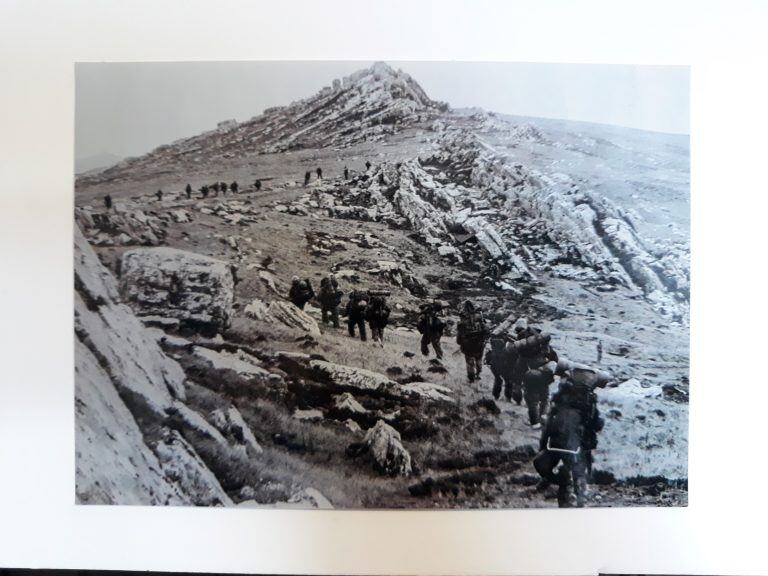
x=387, y=451
x=196, y=289
x=123, y=382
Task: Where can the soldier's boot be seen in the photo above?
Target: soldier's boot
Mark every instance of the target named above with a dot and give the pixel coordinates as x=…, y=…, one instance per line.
x=425, y=345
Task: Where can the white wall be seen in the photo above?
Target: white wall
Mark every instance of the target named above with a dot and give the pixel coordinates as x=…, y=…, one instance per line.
x=722, y=531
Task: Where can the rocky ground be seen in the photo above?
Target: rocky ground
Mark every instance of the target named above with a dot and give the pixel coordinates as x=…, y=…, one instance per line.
x=192, y=364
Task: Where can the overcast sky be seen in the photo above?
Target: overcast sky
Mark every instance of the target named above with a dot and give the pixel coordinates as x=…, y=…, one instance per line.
x=127, y=109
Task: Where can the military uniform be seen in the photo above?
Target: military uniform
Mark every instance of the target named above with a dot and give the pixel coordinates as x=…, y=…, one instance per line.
x=568, y=438
x=356, y=310
x=431, y=328
x=471, y=335
x=301, y=292
x=502, y=364
x=377, y=315
x=330, y=300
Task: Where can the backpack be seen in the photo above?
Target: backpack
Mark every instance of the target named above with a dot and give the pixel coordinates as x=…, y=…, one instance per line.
x=565, y=428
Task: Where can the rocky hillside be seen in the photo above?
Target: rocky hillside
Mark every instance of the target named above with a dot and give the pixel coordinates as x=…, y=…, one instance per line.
x=264, y=405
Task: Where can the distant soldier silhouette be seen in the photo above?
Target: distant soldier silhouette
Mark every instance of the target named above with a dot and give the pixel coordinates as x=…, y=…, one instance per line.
x=234, y=187
x=367, y=165
x=378, y=318
x=257, y=185
x=431, y=328
x=502, y=365
x=599, y=351
x=188, y=190
x=307, y=176
x=346, y=173
x=159, y=195
x=319, y=173
x=471, y=335
x=357, y=307
x=537, y=362
x=330, y=300
x=108, y=202
x=223, y=186
x=204, y=191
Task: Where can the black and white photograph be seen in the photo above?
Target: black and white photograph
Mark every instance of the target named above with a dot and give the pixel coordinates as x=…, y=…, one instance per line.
x=419, y=285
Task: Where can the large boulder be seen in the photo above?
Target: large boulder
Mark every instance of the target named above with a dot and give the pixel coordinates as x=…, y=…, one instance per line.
x=289, y=315
x=196, y=289
x=387, y=450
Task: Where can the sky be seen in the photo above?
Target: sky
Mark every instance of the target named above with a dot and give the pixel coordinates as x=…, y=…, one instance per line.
x=127, y=109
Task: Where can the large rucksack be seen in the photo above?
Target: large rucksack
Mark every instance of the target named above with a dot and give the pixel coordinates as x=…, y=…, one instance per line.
x=565, y=429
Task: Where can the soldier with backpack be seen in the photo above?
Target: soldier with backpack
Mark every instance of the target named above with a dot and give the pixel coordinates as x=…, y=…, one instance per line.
x=570, y=435
x=502, y=364
x=188, y=191
x=301, y=292
x=431, y=328
x=234, y=187
x=330, y=300
x=536, y=365
x=471, y=336
x=377, y=315
x=307, y=176
x=108, y=202
x=356, y=311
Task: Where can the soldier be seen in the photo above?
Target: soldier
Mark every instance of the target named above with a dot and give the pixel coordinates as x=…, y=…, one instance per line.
x=223, y=186
x=502, y=364
x=570, y=435
x=108, y=202
x=307, y=176
x=330, y=300
x=319, y=173
x=367, y=165
x=356, y=312
x=536, y=364
x=471, y=335
x=188, y=191
x=599, y=351
x=159, y=195
x=257, y=185
x=234, y=187
x=346, y=173
x=378, y=318
x=431, y=328
x=204, y=191
x=215, y=187
x=301, y=292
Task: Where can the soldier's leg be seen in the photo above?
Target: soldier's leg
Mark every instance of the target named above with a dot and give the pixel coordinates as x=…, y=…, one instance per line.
x=335, y=316
x=478, y=363
x=351, y=327
x=529, y=393
x=580, y=478
x=324, y=312
x=497, y=383
x=470, y=367
x=438, y=348
x=361, y=327
x=517, y=390
x=425, y=344
x=565, y=497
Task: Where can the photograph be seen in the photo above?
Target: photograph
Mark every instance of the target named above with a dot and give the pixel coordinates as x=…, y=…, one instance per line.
x=381, y=285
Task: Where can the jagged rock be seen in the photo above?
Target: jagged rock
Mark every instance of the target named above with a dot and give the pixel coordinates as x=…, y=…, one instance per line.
x=231, y=423
x=182, y=464
x=112, y=464
x=350, y=377
x=312, y=414
x=346, y=402
x=352, y=426
x=241, y=362
x=289, y=315
x=188, y=286
x=428, y=391
x=116, y=337
x=180, y=216
x=387, y=450
x=122, y=378
x=257, y=309
x=310, y=498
